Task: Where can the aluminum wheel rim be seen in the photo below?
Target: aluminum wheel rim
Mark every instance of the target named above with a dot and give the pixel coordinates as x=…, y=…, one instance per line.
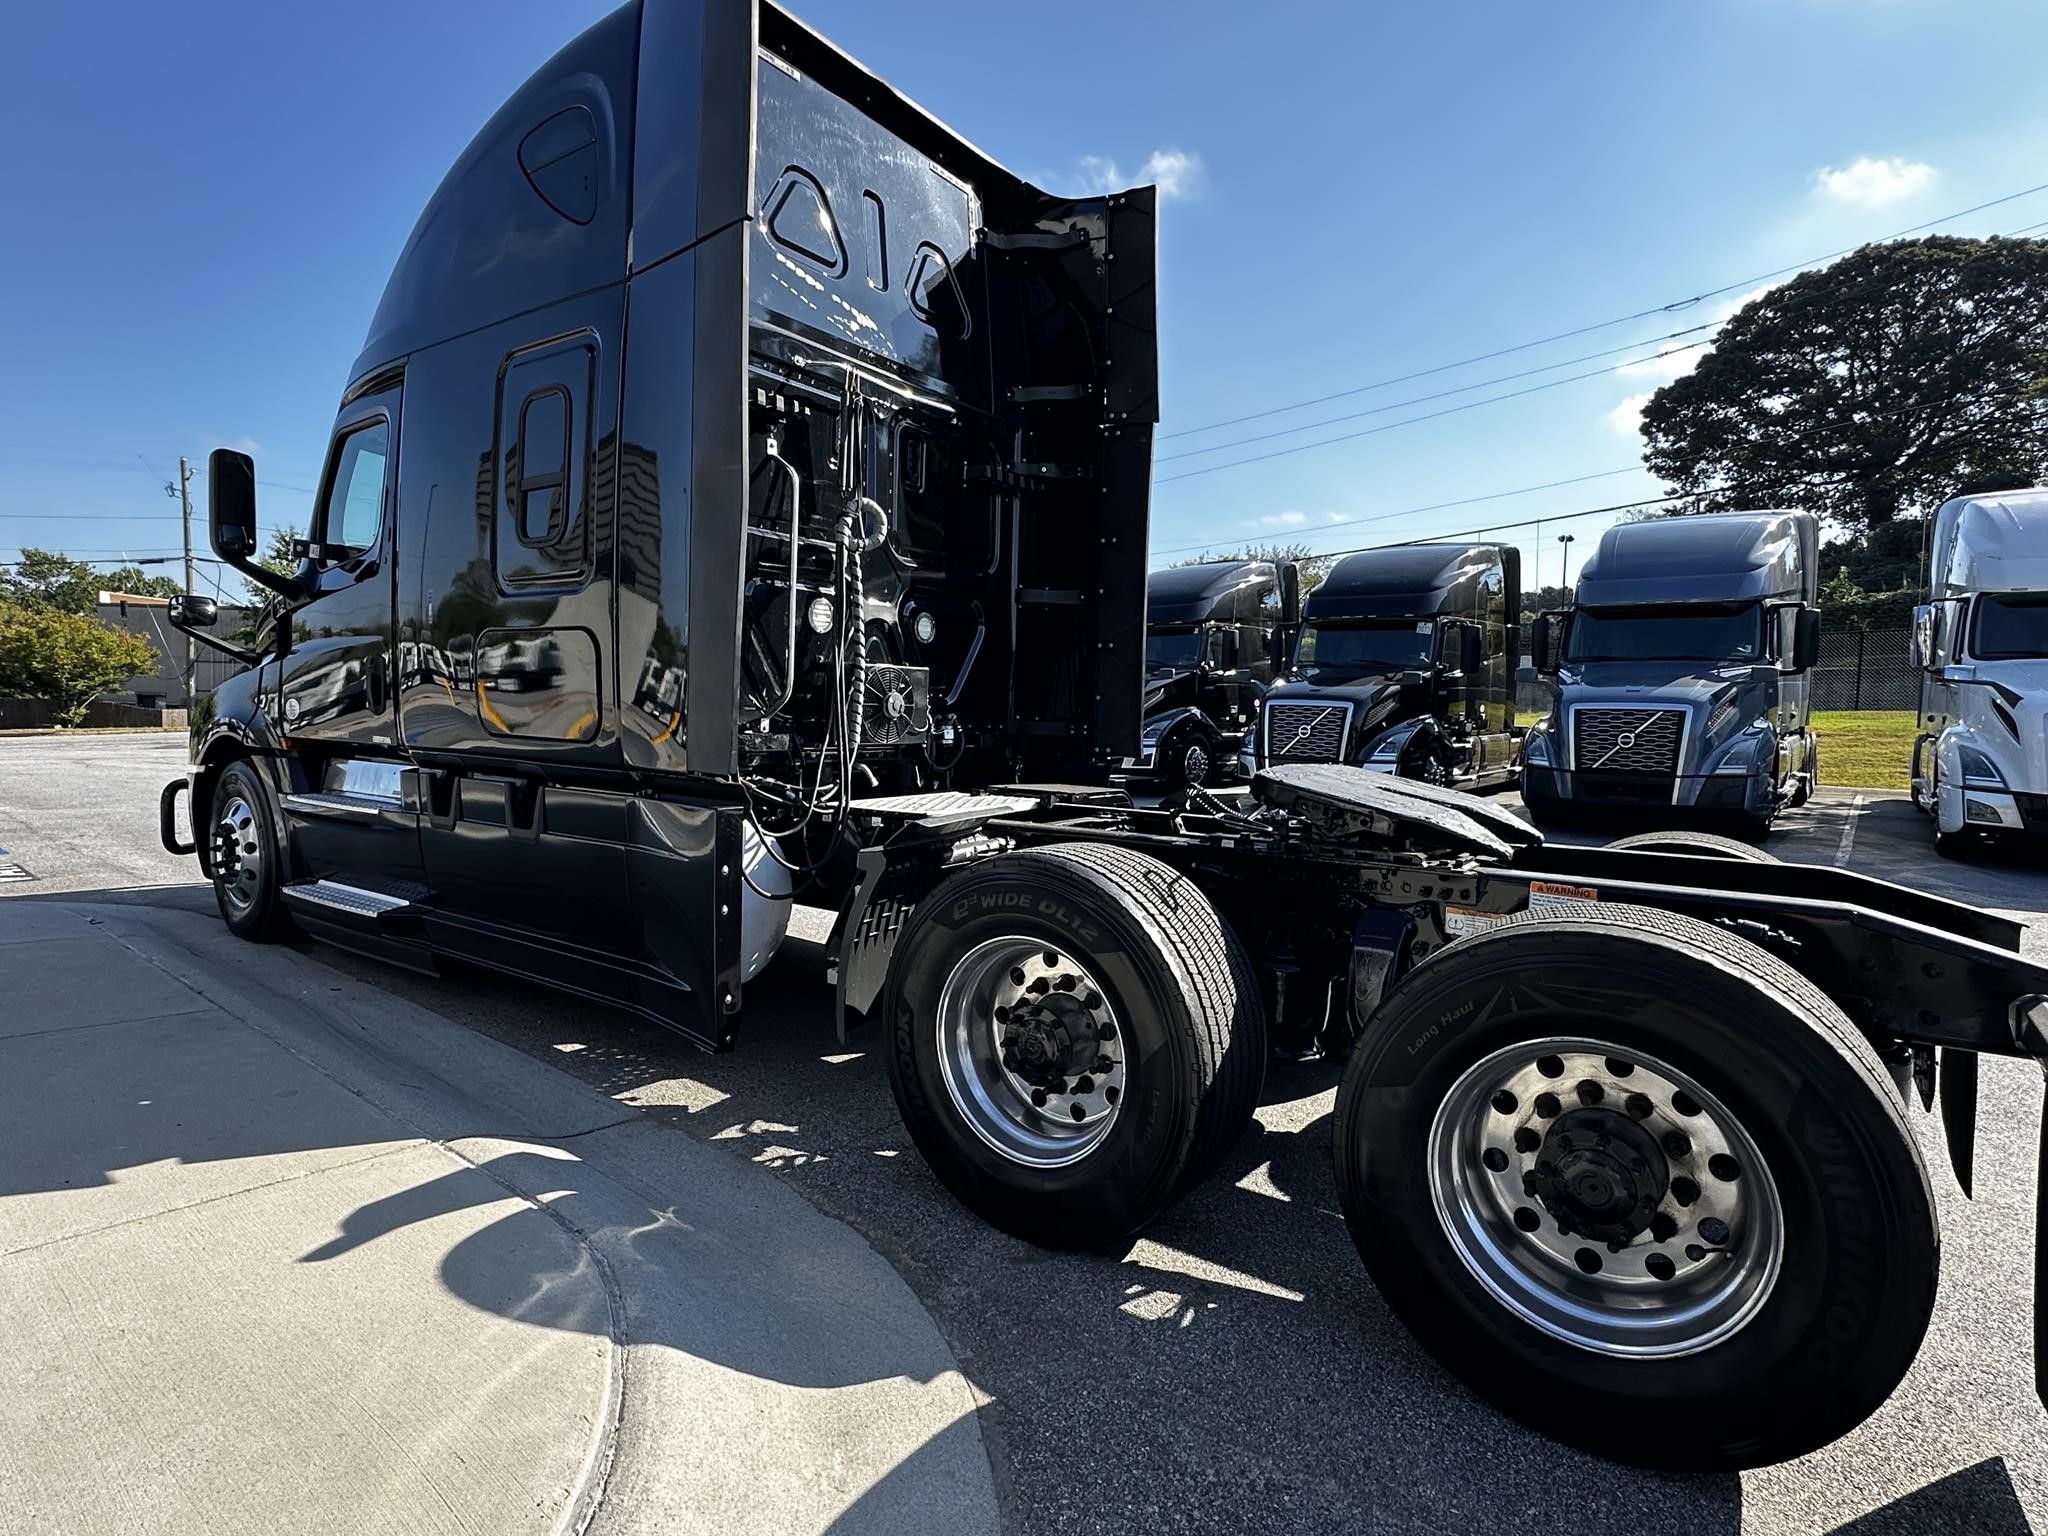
x=1681, y=1285
x=238, y=854
x=993, y=1003
x=1195, y=764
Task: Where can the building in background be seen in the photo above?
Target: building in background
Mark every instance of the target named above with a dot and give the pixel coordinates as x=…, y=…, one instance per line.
x=165, y=688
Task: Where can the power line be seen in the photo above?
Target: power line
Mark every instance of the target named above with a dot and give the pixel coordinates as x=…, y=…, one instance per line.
x=1377, y=410
x=1602, y=325
x=1435, y=506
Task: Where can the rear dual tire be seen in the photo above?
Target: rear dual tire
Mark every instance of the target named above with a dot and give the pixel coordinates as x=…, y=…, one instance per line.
x=1141, y=977
x=1507, y=1274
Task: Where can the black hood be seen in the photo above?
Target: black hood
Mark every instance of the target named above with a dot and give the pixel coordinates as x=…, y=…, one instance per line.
x=1375, y=700
x=1170, y=688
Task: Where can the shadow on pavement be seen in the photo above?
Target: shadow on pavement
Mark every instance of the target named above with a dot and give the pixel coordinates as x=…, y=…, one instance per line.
x=1979, y=1499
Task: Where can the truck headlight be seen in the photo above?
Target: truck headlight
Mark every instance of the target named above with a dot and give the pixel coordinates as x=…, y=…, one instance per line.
x=1978, y=771
x=1746, y=751
x=1536, y=749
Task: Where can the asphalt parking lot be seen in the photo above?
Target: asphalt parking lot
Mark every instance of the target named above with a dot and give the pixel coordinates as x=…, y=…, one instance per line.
x=1235, y=1370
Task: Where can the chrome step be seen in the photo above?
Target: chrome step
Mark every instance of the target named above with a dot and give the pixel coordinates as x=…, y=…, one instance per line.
x=351, y=899
x=327, y=802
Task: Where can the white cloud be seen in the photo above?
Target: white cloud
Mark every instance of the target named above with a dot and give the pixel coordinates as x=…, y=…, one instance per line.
x=1626, y=419
x=1176, y=172
x=1868, y=183
x=1663, y=366
x=1283, y=520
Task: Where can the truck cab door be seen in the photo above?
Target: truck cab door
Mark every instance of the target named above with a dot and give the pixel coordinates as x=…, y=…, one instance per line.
x=350, y=804
x=335, y=681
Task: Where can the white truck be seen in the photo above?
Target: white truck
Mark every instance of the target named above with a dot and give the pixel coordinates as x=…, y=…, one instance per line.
x=1980, y=760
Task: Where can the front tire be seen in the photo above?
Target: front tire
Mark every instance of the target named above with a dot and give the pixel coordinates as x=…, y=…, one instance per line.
x=248, y=872
x=1075, y=1037
x=1643, y=1186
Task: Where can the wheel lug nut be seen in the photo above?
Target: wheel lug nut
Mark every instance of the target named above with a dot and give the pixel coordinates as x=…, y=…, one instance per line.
x=1038, y=1097
x=1677, y=1144
x=1591, y=1092
x=1002, y=1014
x=1105, y=1030
x=1528, y=1183
x=1547, y=1106
x=1065, y=983
x=1639, y=1106
x=1638, y=1167
x=1527, y=1140
x=1714, y=1230
x=1084, y=1084
x=1104, y=1064
x=1663, y=1227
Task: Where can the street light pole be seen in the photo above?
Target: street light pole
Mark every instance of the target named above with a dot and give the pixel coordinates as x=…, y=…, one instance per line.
x=1564, y=567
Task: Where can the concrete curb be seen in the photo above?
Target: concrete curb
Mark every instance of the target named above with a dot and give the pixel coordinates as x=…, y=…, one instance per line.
x=771, y=1372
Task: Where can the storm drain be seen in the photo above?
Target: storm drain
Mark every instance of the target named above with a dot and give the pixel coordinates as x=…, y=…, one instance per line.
x=12, y=873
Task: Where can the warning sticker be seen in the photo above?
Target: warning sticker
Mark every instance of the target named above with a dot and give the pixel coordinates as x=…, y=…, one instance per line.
x=1553, y=896
x=1461, y=922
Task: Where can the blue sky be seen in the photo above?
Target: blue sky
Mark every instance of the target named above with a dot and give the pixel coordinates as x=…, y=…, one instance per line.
x=206, y=201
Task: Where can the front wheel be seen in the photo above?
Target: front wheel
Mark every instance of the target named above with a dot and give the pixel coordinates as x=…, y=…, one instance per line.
x=1643, y=1186
x=1189, y=757
x=247, y=869
x=1074, y=1038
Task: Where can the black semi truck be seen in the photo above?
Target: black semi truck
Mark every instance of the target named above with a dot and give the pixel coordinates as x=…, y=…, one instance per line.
x=1215, y=635
x=742, y=495
x=1405, y=664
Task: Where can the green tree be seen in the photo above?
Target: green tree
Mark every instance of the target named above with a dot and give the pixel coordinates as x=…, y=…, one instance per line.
x=1869, y=387
x=44, y=578
x=65, y=659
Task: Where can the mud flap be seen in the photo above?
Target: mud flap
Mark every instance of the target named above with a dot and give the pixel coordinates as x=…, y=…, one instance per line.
x=869, y=925
x=1956, y=1084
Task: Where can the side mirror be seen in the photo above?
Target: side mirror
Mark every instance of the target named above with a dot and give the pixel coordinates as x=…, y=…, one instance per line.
x=1959, y=674
x=231, y=518
x=189, y=612
x=1806, y=640
x=231, y=504
x=1414, y=677
x=1546, y=637
x=1926, y=636
x=1290, y=593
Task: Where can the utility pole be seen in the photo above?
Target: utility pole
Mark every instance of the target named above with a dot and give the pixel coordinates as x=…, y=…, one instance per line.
x=185, y=498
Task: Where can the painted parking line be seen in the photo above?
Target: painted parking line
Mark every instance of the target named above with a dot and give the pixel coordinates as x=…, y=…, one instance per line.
x=1848, y=842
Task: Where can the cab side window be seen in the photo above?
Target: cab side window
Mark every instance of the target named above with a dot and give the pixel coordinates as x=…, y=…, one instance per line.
x=354, y=514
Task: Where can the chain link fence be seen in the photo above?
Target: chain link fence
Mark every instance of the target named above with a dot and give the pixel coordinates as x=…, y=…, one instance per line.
x=1866, y=669
x=1859, y=669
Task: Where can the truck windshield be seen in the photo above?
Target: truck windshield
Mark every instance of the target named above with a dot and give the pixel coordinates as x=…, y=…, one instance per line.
x=2006, y=627
x=1331, y=651
x=1173, y=649
x=1692, y=633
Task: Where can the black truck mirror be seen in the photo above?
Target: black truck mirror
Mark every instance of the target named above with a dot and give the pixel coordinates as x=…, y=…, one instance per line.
x=1290, y=594
x=231, y=518
x=1545, y=634
x=189, y=612
x=231, y=504
x=1806, y=640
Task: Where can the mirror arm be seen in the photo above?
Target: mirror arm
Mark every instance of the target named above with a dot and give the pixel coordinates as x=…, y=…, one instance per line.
x=241, y=653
